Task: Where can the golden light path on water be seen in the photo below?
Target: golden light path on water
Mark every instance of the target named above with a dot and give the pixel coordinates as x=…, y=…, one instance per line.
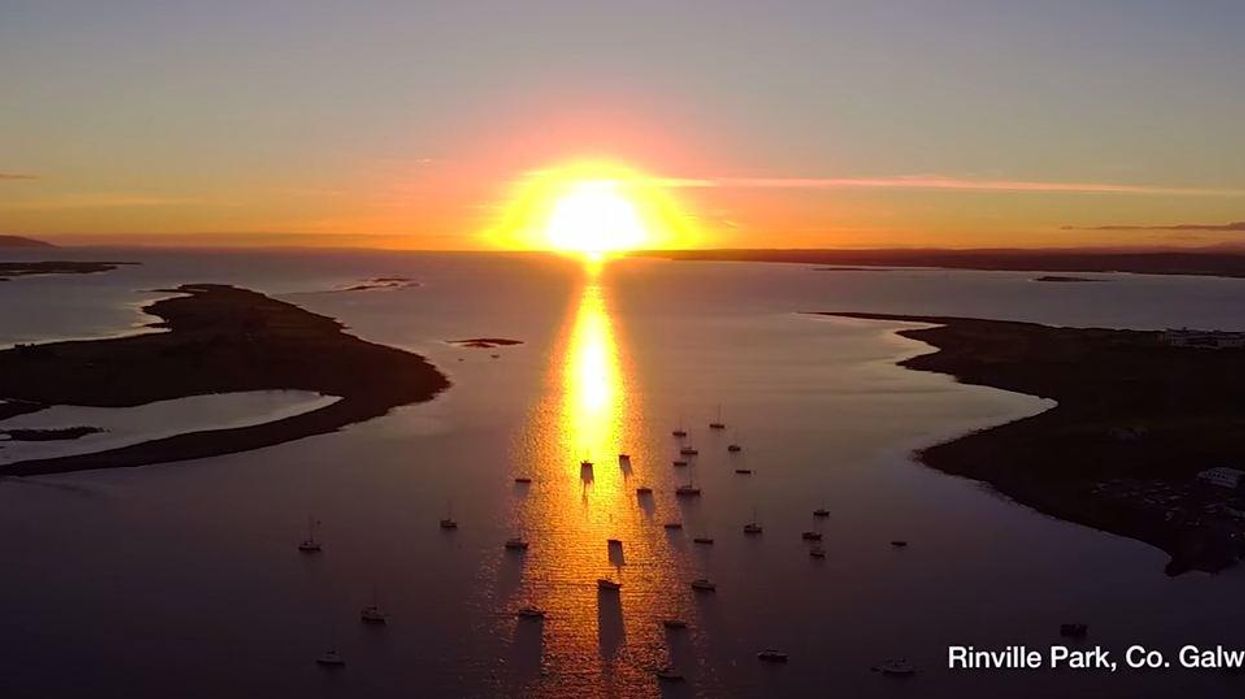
x=594, y=642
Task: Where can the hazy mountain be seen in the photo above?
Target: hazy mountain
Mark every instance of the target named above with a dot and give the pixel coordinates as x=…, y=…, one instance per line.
x=17, y=241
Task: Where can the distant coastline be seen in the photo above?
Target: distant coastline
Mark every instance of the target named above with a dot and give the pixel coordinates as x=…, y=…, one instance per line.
x=1137, y=419
x=220, y=339
x=8, y=270
x=1211, y=263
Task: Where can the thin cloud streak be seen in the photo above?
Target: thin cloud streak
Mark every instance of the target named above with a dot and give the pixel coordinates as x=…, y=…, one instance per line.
x=1233, y=227
x=96, y=201
x=938, y=182
x=16, y=176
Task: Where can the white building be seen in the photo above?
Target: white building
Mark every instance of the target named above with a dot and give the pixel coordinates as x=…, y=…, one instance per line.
x=1222, y=476
x=1209, y=339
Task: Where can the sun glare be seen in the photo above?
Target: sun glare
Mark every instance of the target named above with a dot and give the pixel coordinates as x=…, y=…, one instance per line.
x=591, y=208
x=594, y=218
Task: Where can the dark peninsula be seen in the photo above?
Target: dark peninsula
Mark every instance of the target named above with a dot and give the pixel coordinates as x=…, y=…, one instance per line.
x=219, y=339
x=1139, y=416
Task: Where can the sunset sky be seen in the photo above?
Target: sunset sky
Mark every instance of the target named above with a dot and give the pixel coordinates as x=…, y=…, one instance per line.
x=765, y=124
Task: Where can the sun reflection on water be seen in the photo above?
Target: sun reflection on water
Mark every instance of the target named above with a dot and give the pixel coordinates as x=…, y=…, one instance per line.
x=594, y=402
x=591, y=411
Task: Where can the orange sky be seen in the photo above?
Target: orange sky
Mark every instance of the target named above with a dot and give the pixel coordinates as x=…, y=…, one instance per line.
x=825, y=125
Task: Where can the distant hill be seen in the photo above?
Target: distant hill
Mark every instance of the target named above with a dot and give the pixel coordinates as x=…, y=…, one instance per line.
x=17, y=241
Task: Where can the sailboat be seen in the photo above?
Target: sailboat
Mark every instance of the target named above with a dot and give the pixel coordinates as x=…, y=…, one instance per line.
x=895, y=668
x=669, y=674
x=448, y=522
x=530, y=613
x=769, y=655
x=689, y=489
x=311, y=544
x=753, y=527
x=679, y=431
x=718, y=424
x=372, y=613
x=331, y=658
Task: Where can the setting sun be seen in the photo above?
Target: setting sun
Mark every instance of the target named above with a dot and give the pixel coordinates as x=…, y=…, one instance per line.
x=594, y=218
x=592, y=208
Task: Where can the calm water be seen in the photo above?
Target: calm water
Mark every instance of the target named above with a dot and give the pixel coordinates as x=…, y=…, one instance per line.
x=184, y=580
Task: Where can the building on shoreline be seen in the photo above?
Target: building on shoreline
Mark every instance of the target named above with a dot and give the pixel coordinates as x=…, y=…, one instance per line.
x=1208, y=339
x=1223, y=477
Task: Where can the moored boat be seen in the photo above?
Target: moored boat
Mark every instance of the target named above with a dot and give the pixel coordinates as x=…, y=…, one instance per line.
x=372, y=614
x=769, y=655
x=331, y=658
x=530, y=613
x=895, y=668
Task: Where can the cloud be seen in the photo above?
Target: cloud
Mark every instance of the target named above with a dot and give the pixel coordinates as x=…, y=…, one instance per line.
x=940, y=182
x=16, y=176
x=1233, y=227
x=105, y=200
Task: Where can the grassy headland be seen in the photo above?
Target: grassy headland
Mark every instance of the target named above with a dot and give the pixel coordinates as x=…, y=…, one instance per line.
x=220, y=339
x=1136, y=420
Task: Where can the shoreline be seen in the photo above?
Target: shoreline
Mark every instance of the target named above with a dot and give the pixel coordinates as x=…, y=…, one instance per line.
x=218, y=339
x=1135, y=420
x=1057, y=261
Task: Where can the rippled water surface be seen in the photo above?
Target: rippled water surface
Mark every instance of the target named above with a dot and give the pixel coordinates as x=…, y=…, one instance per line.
x=185, y=580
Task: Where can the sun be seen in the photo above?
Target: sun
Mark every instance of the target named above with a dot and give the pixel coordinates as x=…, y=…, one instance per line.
x=591, y=208
x=594, y=218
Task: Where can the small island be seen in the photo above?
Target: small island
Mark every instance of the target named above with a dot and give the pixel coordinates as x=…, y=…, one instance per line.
x=484, y=342
x=1142, y=418
x=1062, y=279
x=48, y=435
x=853, y=269
x=383, y=283
x=219, y=339
x=8, y=270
